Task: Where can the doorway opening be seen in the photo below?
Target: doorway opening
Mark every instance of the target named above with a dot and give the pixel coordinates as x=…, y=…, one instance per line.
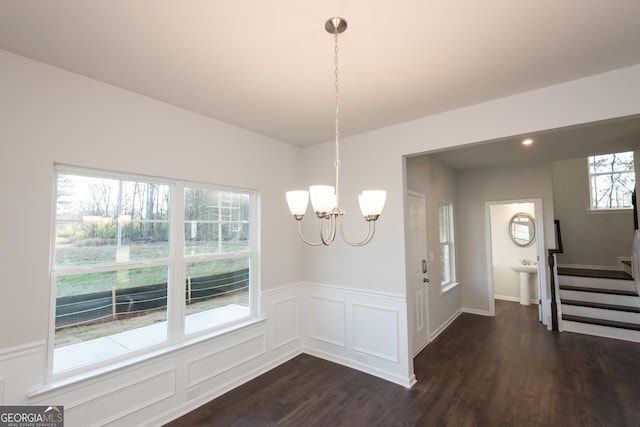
x=516, y=266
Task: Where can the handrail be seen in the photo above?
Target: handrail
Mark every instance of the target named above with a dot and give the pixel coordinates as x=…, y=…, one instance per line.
x=551, y=261
x=635, y=210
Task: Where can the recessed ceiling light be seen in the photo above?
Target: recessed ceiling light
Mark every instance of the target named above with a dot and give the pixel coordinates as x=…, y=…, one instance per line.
x=527, y=141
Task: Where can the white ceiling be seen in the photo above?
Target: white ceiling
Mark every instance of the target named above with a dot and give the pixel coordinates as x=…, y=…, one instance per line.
x=611, y=136
x=267, y=66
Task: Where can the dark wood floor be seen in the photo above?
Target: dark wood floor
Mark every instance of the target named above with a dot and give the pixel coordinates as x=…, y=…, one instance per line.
x=482, y=371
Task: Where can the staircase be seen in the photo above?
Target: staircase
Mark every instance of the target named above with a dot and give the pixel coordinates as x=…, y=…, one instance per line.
x=602, y=303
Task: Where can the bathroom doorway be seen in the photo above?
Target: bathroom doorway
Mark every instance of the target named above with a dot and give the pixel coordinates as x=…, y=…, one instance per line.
x=514, y=266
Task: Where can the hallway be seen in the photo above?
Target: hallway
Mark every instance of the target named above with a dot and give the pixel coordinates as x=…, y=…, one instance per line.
x=484, y=371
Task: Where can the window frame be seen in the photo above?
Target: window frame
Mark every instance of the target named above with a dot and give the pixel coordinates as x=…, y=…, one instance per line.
x=449, y=243
x=591, y=175
x=176, y=263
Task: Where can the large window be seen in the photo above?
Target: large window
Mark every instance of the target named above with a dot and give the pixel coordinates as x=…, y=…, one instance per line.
x=611, y=181
x=447, y=253
x=126, y=278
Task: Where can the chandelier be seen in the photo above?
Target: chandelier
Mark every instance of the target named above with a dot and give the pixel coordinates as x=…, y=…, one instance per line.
x=325, y=198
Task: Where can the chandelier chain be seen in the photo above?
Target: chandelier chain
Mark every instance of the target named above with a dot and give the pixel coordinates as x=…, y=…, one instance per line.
x=337, y=162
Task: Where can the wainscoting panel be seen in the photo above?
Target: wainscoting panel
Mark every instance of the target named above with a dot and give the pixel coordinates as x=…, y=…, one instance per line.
x=363, y=330
x=374, y=325
x=375, y=331
x=286, y=320
x=217, y=362
x=22, y=368
x=123, y=400
x=327, y=320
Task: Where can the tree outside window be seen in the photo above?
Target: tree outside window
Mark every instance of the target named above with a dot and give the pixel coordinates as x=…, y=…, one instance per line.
x=611, y=181
x=122, y=253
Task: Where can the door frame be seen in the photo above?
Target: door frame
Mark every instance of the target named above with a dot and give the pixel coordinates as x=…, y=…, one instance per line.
x=544, y=301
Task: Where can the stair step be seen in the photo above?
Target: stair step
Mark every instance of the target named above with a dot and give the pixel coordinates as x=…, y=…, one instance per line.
x=601, y=311
x=589, y=272
x=601, y=331
x=590, y=282
x=599, y=290
x=600, y=305
x=602, y=322
x=604, y=298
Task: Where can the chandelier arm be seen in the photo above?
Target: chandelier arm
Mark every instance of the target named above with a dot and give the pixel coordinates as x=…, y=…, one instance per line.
x=331, y=230
x=302, y=237
x=370, y=232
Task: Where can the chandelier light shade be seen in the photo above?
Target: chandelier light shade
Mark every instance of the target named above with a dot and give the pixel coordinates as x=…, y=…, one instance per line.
x=325, y=198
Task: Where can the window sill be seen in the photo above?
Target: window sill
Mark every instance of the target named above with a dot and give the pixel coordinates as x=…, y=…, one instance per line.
x=608, y=211
x=68, y=378
x=447, y=287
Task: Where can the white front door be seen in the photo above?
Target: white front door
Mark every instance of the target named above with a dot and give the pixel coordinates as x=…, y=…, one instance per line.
x=418, y=274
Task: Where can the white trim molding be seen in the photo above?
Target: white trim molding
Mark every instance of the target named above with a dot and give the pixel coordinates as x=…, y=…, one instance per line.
x=364, y=330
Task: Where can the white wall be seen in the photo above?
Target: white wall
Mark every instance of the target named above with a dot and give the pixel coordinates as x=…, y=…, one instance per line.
x=344, y=265
x=374, y=159
x=52, y=116
x=377, y=268
x=475, y=188
x=504, y=253
x=437, y=182
x=590, y=239
x=48, y=115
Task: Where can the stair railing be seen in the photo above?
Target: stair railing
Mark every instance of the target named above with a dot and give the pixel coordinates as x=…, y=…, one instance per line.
x=551, y=260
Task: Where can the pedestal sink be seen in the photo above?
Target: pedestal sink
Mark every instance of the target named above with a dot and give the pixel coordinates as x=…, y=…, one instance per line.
x=524, y=271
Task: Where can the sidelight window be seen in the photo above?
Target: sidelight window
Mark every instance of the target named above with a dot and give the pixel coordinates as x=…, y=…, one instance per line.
x=447, y=254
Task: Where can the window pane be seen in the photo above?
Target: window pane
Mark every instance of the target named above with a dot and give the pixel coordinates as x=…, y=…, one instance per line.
x=443, y=214
x=611, y=180
x=216, y=221
x=445, y=263
x=612, y=191
x=106, y=221
x=445, y=219
x=128, y=306
x=111, y=258
x=607, y=163
x=217, y=292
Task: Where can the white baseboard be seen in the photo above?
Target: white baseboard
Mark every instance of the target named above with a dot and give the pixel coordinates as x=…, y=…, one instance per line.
x=476, y=311
x=445, y=325
x=514, y=299
x=506, y=298
x=349, y=363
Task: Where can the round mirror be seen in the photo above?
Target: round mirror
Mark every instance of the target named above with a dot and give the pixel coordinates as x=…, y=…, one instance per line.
x=522, y=229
